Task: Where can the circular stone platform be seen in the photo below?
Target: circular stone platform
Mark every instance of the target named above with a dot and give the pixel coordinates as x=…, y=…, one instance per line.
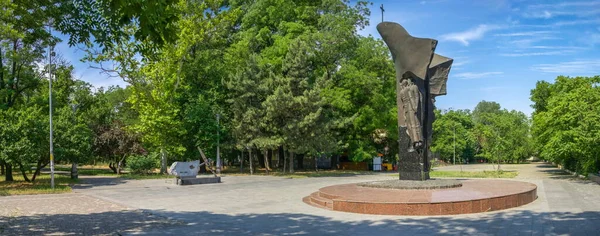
x=476, y=195
x=413, y=184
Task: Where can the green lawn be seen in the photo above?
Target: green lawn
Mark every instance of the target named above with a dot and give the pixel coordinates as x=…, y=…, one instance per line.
x=40, y=186
x=88, y=171
x=473, y=174
x=100, y=171
x=298, y=174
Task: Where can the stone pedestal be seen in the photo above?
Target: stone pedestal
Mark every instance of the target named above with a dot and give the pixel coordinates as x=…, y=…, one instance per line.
x=410, y=164
x=202, y=180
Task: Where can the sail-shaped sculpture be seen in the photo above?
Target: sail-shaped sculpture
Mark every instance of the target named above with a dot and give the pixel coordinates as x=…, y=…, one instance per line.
x=421, y=75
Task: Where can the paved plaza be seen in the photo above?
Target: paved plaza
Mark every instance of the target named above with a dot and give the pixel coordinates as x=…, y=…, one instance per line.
x=259, y=205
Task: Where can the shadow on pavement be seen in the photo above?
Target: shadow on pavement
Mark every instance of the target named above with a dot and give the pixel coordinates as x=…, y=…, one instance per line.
x=205, y=223
x=86, y=182
x=107, y=223
x=545, y=165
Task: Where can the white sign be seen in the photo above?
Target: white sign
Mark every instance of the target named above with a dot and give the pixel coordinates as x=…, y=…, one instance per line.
x=376, y=163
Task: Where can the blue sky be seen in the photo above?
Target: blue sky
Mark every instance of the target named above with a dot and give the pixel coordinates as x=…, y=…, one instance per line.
x=500, y=47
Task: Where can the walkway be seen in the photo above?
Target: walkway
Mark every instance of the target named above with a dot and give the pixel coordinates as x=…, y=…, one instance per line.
x=250, y=205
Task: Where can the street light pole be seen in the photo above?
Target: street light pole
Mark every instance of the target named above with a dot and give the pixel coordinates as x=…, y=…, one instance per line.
x=218, y=148
x=454, y=144
x=50, y=50
x=74, y=106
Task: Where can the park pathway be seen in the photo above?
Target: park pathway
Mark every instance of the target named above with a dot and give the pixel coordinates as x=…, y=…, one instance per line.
x=251, y=205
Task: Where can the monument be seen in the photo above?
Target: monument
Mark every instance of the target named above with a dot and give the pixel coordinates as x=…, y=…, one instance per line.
x=186, y=172
x=421, y=75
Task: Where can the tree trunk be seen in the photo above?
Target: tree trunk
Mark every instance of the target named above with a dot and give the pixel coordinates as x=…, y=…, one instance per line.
x=281, y=158
x=8, y=176
x=74, y=174
x=285, y=161
x=270, y=159
x=317, y=164
x=498, y=164
x=275, y=155
x=242, y=163
x=300, y=161
x=260, y=159
x=250, y=161
x=291, y=162
x=334, y=161
x=2, y=168
x=120, y=165
x=22, y=169
x=266, y=161
x=112, y=167
x=163, y=161
x=38, y=170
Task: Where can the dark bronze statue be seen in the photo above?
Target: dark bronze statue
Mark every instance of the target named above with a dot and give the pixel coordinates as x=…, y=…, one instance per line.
x=421, y=76
x=411, y=100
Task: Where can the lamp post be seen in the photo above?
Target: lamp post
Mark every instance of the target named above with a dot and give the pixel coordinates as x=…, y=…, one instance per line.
x=50, y=54
x=74, y=106
x=218, y=148
x=454, y=141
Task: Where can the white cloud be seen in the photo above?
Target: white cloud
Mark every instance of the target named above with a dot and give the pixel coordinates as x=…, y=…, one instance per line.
x=460, y=63
x=575, y=22
x=581, y=9
x=550, y=14
x=567, y=4
x=472, y=34
x=525, y=33
x=510, y=21
x=578, y=67
x=592, y=39
x=557, y=47
x=526, y=43
x=476, y=75
x=432, y=2
x=547, y=14
x=527, y=54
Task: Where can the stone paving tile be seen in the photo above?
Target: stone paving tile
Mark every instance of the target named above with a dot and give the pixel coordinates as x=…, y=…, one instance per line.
x=71, y=214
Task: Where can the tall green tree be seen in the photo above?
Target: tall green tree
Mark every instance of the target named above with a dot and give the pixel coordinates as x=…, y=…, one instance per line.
x=453, y=135
x=23, y=140
x=502, y=135
x=565, y=127
x=23, y=41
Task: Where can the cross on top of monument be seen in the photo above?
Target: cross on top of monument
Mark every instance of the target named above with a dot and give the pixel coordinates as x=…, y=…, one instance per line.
x=382, y=10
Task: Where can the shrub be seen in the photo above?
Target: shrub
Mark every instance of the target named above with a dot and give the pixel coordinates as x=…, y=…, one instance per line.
x=139, y=164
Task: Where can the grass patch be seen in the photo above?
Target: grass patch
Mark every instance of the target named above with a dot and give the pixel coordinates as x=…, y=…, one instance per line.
x=303, y=174
x=88, y=171
x=99, y=171
x=230, y=170
x=41, y=185
x=473, y=174
x=91, y=171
